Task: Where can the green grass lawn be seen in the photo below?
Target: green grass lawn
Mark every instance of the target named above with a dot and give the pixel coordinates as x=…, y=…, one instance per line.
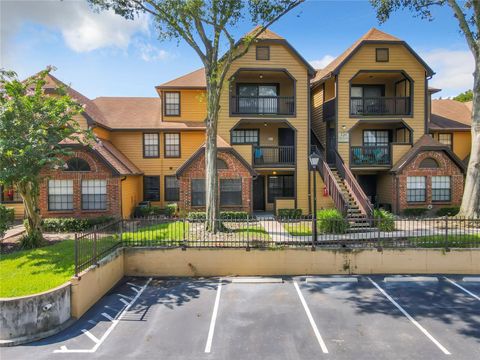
x=32, y=271
x=299, y=229
x=254, y=232
x=161, y=234
x=453, y=241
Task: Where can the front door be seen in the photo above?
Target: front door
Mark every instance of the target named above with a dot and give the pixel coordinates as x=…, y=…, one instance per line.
x=259, y=193
x=331, y=145
x=286, y=143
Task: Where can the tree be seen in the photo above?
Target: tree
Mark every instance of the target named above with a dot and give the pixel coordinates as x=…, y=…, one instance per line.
x=32, y=124
x=206, y=26
x=465, y=96
x=467, y=14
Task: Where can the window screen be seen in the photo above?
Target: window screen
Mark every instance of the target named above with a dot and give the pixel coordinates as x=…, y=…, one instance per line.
x=172, y=145
x=198, y=192
x=172, y=103
x=230, y=192
x=381, y=55
x=416, y=189
x=172, y=191
x=151, y=188
x=441, y=189
x=280, y=186
x=150, y=145
x=245, y=136
x=60, y=195
x=263, y=53
x=94, y=194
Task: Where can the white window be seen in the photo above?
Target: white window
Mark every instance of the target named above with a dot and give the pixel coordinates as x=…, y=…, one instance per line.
x=172, y=145
x=150, y=145
x=60, y=195
x=172, y=104
x=416, y=189
x=441, y=189
x=94, y=195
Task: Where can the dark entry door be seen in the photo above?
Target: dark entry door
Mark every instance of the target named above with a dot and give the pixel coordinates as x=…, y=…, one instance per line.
x=331, y=141
x=259, y=193
x=286, y=142
x=369, y=185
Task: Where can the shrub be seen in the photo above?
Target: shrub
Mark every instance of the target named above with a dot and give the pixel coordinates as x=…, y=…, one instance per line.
x=234, y=215
x=171, y=210
x=73, y=224
x=448, y=211
x=143, y=211
x=6, y=219
x=197, y=216
x=412, y=212
x=289, y=213
x=385, y=221
x=331, y=221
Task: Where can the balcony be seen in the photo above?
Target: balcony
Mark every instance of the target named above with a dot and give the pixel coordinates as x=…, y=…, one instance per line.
x=275, y=156
x=373, y=106
x=370, y=156
x=262, y=105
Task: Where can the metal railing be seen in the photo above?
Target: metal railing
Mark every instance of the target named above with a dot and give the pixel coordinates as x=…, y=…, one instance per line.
x=262, y=105
x=277, y=233
x=353, y=186
x=273, y=155
x=333, y=188
x=375, y=155
x=380, y=105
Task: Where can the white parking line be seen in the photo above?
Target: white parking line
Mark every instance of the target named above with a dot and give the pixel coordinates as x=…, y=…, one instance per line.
x=125, y=297
x=211, y=330
x=310, y=318
x=462, y=288
x=91, y=336
x=471, y=279
x=410, y=279
x=124, y=301
x=256, y=280
x=108, y=317
x=318, y=279
x=64, y=349
x=409, y=317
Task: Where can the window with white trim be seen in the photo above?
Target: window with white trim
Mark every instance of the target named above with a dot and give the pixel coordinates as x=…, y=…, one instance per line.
x=172, y=103
x=172, y=145
x=60, y=195
x=416, y=188
x=151, y=145
x=94, y=194
x=441, y=188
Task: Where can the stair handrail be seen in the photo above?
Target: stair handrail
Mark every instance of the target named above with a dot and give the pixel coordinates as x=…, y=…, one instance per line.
x=333, y=188
x=354, y=187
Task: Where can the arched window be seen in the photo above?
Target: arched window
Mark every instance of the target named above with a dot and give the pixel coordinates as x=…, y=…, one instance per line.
x=429, y=163
x=77, y=164
x=221, y=164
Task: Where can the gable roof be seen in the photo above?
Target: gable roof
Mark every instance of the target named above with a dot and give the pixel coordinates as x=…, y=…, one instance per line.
x=195, y=79
x=426, y=142
x=91, y=112
x=450, y=114
x=371, y=36
x=139, y=113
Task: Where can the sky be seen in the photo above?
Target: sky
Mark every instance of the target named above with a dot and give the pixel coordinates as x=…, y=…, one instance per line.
x=102, y=54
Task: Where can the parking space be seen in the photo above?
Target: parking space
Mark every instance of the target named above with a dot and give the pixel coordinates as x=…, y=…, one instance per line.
x=336, y=317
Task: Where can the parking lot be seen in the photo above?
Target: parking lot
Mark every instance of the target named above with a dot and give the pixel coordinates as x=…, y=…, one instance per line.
x=331, y=317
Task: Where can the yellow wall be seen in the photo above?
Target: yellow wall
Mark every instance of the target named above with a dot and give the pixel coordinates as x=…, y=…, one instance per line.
x=323, y=202
x=101, y=133
x=131, y=144
x=280, y=58
x=192, y=106
x=18, y=209
x=462, y=142
x=82, y=121
x=398, y=150
x=364, y=59
x=284, y=204
x=132, y=194
x=385, y=188
x=318, y=125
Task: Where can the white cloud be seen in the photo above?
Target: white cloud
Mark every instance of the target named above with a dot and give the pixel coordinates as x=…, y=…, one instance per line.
x=453, y=68
x=150, y=53
x=321, y=63
x=82, y=29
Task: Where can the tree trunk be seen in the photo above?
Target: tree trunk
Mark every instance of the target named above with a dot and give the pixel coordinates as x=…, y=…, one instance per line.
x=211, y=181
x=471, y=195
x=29, y=193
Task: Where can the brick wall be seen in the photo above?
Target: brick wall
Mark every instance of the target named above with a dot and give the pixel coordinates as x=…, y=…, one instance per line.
x=98, y=171
x=446, y=168
x=235, y=170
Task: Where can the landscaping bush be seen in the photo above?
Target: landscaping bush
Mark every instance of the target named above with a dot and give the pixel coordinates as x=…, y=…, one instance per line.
x=448, y=211
x=385, y=221
x=413, y=212
x=331, y=221
x=198, y=216
x=289, y=213
x=73, y=224
x=6, y=219
x=171, y=210
x=144, y=211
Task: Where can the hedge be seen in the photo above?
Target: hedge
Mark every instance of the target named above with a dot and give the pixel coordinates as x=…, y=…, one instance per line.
x=289, y=213
x=448, y=211
x=224, y=215
x=331, y=221
x=412, y=212
x=59, y=225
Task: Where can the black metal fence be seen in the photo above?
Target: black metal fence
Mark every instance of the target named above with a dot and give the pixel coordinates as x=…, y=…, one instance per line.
x=277, y=233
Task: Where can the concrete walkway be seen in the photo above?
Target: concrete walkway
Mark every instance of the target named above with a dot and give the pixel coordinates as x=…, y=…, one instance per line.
x=14, y=231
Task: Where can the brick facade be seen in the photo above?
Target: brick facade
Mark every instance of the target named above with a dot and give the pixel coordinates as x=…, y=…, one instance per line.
x=235, y=169
x=447, y=167
x=98, y=171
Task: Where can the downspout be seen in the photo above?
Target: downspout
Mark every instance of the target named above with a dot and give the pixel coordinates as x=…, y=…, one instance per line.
x=309, y=148
x=120, y=197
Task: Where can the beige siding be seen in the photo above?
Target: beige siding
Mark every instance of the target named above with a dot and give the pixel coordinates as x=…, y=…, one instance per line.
x=398, y=150
x=385, y=188
x=318, y=125
x=193, y=106
x=131, y=194
x=245, y=151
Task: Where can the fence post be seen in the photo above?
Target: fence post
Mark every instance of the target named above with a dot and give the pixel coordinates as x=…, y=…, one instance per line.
x=184, y=242
x=248, y=232
x=446, y=232
x=95, y=245
x=76, y=255
x=121, y=231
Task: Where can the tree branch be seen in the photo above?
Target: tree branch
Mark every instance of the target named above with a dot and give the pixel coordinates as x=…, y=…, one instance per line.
x=471, y=41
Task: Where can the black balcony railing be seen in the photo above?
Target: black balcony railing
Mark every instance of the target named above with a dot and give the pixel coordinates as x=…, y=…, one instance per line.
x=262, y=105
x=273, y=155
x=370, y=155
x=380, y=106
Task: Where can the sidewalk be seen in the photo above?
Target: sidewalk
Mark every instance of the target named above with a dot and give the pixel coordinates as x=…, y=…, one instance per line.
x=14, y=231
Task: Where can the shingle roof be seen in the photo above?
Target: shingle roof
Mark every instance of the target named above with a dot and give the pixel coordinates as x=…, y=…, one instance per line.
x=450, y=115
x=372, y=35
x=426, y=142
x=139, y=113
x=195, y=79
